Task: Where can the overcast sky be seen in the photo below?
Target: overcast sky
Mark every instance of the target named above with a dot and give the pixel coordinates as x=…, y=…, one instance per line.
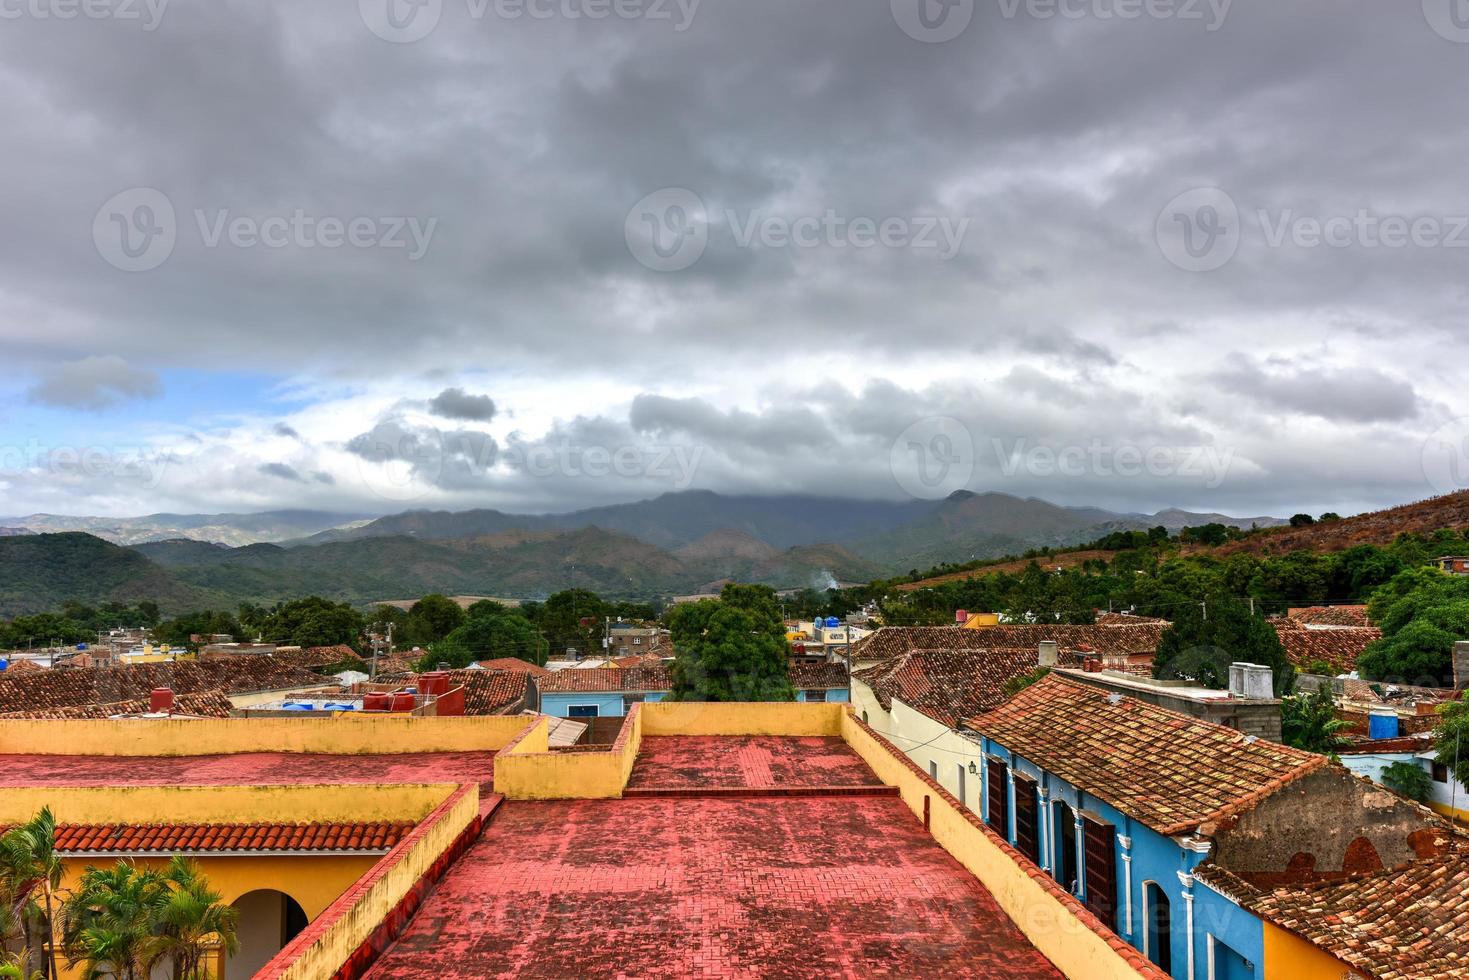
x=543, y=254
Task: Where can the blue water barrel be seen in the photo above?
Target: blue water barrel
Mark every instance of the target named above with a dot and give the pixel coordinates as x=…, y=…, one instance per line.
x=1382, y=725
x=832, y=622
x=4, y=664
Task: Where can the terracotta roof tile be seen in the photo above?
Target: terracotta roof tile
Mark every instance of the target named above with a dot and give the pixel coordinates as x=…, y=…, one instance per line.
x=810, y=677
x=511, y=663
x=950, y=685
x=1329, y=615
x=1123, y=639
x=1168, y=770
x=1395, y=924
x=1339, y=646
x=193, y=838
x=79, y=686
x=210, y=704
x=652, y=677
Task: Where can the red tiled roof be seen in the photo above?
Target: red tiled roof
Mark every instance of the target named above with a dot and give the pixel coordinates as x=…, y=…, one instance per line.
x=512, y=663
x=73, y=687
x=1131, y=638
x=1168, y=770
x=1129, y=619
x=210, y=704
x=1392, y=925
x=810, y=677
x=493, y=692
x=1339, y=646
x=177, y=838
x=1329, y=615
x=652, y=677
x=22, y=667
x=950, y=685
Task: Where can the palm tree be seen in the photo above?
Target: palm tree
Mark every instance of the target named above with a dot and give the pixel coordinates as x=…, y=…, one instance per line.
x=107, y=923
x=188, y=920
x=14, y=966
x=28, y=853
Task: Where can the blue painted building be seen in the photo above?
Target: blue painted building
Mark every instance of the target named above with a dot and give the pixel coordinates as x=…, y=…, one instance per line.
x=1121, y=801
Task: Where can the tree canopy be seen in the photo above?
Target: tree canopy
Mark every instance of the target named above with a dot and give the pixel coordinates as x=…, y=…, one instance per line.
x=732, y=648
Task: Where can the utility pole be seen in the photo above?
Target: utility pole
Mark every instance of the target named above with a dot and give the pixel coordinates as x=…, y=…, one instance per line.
x=1205, y=606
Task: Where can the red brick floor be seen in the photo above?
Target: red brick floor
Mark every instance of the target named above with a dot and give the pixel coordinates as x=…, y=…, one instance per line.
x=685, y=762
x=255, y=768
x=788, y=887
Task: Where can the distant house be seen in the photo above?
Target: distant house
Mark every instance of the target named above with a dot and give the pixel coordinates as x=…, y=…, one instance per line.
x=1310, y=643
x=1123, y=802
x=1122, y=642
x=826, y=682
x=603, y=692
x=1454, y=565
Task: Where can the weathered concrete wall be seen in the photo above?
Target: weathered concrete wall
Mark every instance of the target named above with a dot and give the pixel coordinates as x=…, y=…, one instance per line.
x=743, y=718
x=342, y=735
x=1332, y=819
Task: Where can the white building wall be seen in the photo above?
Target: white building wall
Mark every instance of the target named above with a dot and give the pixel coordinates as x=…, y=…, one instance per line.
x=927, y=742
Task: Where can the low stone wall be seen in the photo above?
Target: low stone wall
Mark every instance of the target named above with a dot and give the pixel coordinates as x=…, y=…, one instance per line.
x=527, y=769
x=355, y=929
x=340, y=735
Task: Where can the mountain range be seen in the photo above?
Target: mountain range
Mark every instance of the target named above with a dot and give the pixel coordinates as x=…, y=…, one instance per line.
x=676, y=543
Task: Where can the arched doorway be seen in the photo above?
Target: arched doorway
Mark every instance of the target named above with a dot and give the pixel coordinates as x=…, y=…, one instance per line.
x=1157, y=926
x=268, y=920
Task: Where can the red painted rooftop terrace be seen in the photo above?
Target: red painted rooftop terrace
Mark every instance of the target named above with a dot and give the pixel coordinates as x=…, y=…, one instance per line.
x=261, y=768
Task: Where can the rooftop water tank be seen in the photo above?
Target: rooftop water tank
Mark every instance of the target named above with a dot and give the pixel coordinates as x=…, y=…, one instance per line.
x=404, y=701
x=376, y=702
x=4, y=664
x=832, y=622
x=1382, y=724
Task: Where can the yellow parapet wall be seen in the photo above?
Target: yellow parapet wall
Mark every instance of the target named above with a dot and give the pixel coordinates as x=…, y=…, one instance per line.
x=327, y=944
x=528, y=770
x=339, y=735
x=744, y=718
x=225, y=804
x=1051, y=923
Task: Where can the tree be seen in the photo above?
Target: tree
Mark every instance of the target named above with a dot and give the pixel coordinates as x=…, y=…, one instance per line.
x=732, y=648
x=314, y=622
x=1302, y=520
x=1207, y=637
x=187, y=920
x=1451, y=738
x=1020, y=682
x=1409, y=779
x=485, y=637
x=434, y=617
x=30, y=861
x=108, y=922
x=1309, y=721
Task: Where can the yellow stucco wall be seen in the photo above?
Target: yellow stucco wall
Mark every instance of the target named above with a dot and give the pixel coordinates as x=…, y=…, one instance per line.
x=674, y=718
x=528, y=771
x=353, y=917
x=224, y=804
x=340, y=735
x=1289, y=957
x=1075, y=949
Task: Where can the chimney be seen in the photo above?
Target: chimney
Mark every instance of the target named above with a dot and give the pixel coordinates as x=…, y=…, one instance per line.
x=1049, y=653
x=1259, y=682
x=1461, y=665
x=161, y=701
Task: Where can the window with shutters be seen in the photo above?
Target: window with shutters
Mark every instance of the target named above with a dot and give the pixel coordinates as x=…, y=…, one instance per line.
x=1027, y=818
x=999, y=802
x=1101, y=869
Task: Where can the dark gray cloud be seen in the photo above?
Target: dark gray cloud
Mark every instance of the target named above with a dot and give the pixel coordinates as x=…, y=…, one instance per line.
x=1348, y=394
x=282, y=471
x=456, y=403
x=93, y=383
x=1058, y=317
